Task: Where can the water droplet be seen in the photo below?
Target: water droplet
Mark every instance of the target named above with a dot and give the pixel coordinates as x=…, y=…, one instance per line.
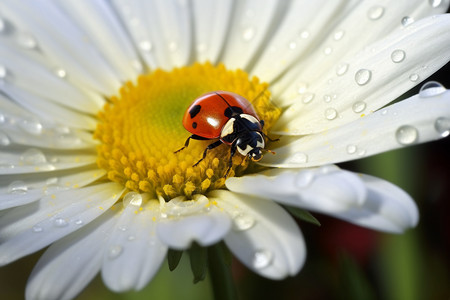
x=431, y=89
x=363, y=76
x=351, y=149
x=17, y=187
x=406, y=21
x=331, y=113
x=137, y=65
x=78, y=222
x=307, y=97
x=304, y=178
x=248, y=33
x=114, y=251
x=2, y=26
x=375, y=12
x=292, y=45
x=327, y=98
x=243, y=222
x=37, y=228
x=304, y=34
x=327, y=50
x=60, y=72
x=131, y=238
x=302, y=87
x=384, y=111
x=398, y=55
x=173, y=46
x=406, y=135
x=414, y=77
x=4, y=139
x=132, y=198
x=442, y=126
x=262, y=259
x=359, y=106
x=435, y=3
x=3, y=72
x=338, y=35
x=33, y=157
x=362, y=152
x=341, y=69
x=145, y=45
x=31, y=126
x=60, y=222
x=298, y=158
x=27, y=41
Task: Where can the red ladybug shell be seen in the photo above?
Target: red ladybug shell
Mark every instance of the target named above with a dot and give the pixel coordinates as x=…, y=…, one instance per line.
x=205, y=117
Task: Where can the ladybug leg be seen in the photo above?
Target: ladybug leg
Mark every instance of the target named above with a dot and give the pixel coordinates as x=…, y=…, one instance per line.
x=194, y=137
x=230, y=162
x=210, y=146
x=272, y=140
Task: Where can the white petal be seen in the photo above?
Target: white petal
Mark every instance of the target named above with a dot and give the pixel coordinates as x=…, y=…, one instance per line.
x=251, y=23
x=346, y=36
x=50, y=27
x=322, y=189
x=418, y=119
x=375, y=76
x=161, y=30
x=386, y=208
x=16, y=190
x=134, y=253
x=212, y=20
x=29, y=228
x=265, y=238
x=300, y=28
x=71, y=263
x=206, y=226
x=33, y=160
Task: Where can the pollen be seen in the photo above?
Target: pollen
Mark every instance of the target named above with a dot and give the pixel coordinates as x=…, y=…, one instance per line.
x=140, y=129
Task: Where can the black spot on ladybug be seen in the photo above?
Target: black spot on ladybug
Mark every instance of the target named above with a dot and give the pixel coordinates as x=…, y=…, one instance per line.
x=194, y=125
x=232, y=111
x=194, y=111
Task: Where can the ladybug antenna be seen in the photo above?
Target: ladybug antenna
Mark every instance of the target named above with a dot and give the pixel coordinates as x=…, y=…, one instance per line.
x=223, y=99
x=270, y=151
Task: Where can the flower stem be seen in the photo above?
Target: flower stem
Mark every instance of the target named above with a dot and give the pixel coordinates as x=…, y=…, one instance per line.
x=220, y=272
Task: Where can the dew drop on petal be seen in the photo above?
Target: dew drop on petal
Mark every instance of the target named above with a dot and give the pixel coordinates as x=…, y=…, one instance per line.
x=2, y=25
x=406, y=21
x=262, y=259
x=327, y=50
x=414, y=77
x=302, y=87
x=131, y=238
x=27, y=41
x=17, y=187
x=307, y=97
x=114, y=251
x=292, y=45
x=60, y=222
x=435, y=3
x=3, y=72
x=398, y=55
x=338, y=35
x=304, y=34
x=248, y=33
x=145, y=46
x=331, y=113
x=243, y=222
x=304, y=178
x=363, y=76
x=359, y=106
x=362, y=152
x=327, y=98
x=351, y=149
x=431, y=89
x=33, y=157
x=31, y=126
x=298, y=158
x=137, y=65
x=4, y=139
x=375, y=12
x=132, y=198
x=78, y=222
x=442, y=126
x=406, y=135
x=37, y=228
x=60, y=72
x=341, y=69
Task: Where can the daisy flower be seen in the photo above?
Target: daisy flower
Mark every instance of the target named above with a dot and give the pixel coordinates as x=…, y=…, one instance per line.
x=92, y=99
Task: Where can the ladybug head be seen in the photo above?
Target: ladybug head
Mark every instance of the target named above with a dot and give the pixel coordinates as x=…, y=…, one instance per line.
x=255, y=154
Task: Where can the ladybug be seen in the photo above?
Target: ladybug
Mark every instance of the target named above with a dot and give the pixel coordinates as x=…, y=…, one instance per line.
x=231, y=119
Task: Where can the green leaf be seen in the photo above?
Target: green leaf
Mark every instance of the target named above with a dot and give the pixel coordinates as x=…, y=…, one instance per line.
x=198, y=256
x=352, y=280
x=173, y=258
x=220, y=272
x=303, y=215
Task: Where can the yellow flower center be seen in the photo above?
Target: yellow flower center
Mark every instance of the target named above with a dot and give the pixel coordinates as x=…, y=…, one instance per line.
x=141, y=128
